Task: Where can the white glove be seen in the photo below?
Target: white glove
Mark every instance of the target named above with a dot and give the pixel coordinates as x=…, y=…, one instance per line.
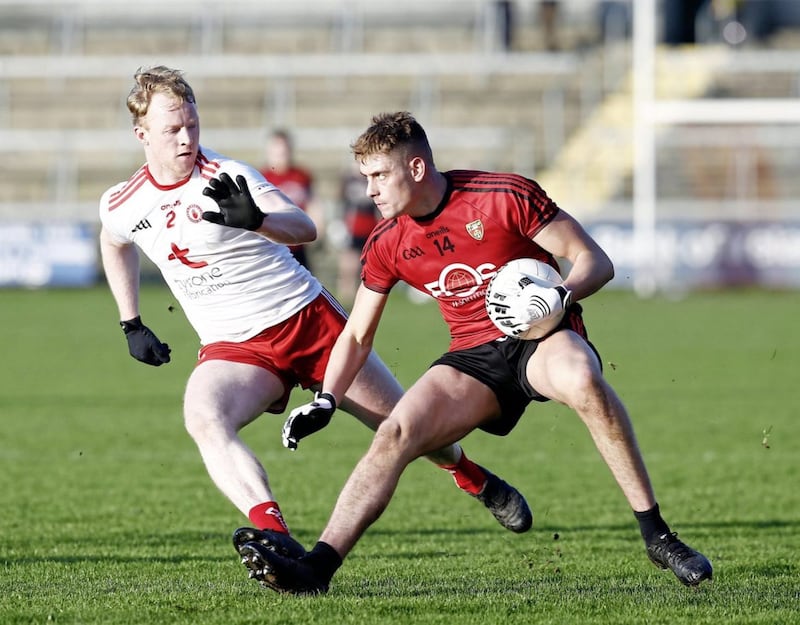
x=307, y=419
x=538, y=303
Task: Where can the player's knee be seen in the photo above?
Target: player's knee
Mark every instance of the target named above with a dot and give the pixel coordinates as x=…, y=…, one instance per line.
x=395, y=438
x=584, y=388
x=193, y=424
x=199, y=423
x=389, y=434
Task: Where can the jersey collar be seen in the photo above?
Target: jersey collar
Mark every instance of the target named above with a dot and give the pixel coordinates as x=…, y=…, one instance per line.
x=444, y=201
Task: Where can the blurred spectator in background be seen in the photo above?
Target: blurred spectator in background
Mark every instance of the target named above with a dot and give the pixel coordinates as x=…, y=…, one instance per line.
x=615, y=19
x=504, y=17
x=762, y=19
x=359, y=215
x=295, y=181
x=679, y=21
x=732, y=21
x=548, y=14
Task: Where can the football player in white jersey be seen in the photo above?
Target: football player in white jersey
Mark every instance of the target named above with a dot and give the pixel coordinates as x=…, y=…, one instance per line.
x=218, y=232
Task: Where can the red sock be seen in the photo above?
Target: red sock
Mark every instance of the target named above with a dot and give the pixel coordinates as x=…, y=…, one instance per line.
x=267, y=516
x=469, y=476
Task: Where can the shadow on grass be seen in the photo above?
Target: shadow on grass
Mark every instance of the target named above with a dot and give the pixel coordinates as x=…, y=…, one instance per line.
x=602, y=528
x=196, y=546
x=121, y=546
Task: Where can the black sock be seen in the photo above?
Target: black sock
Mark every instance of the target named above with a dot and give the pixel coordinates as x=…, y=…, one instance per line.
x=651, y=524
x=324, y=560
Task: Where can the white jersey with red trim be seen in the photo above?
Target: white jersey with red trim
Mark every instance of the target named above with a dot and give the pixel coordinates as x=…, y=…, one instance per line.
x=231, y=283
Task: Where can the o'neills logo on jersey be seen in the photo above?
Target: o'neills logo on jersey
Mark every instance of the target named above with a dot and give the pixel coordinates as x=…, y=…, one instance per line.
x=475, y=229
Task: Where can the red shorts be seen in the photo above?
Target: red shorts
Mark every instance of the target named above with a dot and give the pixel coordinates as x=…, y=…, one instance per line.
x=296, y=351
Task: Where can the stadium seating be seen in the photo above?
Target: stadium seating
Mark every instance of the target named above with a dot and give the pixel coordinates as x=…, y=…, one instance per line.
x=322, y=69
x=322, y=72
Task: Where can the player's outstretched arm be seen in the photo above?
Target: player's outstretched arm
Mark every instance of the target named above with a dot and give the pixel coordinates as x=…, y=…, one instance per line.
x=348, y=355
x=271, y=214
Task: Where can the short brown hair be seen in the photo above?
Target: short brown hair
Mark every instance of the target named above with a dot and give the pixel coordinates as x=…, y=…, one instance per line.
x=392, y=131
x=152, y=80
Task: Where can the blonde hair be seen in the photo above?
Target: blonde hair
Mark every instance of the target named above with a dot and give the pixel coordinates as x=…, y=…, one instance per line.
x=393, y=131
x=158, y=79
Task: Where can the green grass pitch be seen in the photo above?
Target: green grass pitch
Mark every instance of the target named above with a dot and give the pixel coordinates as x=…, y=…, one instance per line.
x=107, y=514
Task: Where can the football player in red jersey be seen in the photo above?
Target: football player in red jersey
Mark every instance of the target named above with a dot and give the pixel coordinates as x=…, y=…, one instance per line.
x=296, y=182
x=217, y=231
x=447, y=233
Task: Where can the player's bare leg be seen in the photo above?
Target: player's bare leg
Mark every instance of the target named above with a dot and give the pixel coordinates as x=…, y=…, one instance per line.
x=371, y=397
x=432, y=414
x=565, y=369
x=221, y=398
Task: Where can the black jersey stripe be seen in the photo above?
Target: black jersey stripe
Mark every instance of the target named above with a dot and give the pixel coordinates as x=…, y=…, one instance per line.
x=485, y=183
x=519, y=185
x=463, y=179
x=468, y=181
x=382, y=227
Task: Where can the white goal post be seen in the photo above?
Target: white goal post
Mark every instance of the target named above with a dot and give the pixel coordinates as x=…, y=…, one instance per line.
x=650, y=112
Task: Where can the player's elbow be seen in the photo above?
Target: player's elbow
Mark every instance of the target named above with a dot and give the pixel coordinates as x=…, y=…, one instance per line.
x=290, y=227
x=298, y=233
x=608, y=271
x=105, y=238
x=361, y=342
x=109, y=247
x=356, y=342
x=603, y=267
x=308, y=234
x=306, y=231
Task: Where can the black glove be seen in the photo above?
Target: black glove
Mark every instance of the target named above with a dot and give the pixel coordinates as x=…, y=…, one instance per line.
x=143, y=344
x=236, y=205
x=308, y=419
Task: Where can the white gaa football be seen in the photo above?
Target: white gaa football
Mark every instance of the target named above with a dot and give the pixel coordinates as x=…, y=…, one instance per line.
x=521, y=300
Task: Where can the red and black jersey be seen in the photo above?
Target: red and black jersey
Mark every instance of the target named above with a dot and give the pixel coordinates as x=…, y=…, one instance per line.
x=484, y=220
x=296, y=183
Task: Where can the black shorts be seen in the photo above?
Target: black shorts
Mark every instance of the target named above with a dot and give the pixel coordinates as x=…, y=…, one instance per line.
x=501, y=365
